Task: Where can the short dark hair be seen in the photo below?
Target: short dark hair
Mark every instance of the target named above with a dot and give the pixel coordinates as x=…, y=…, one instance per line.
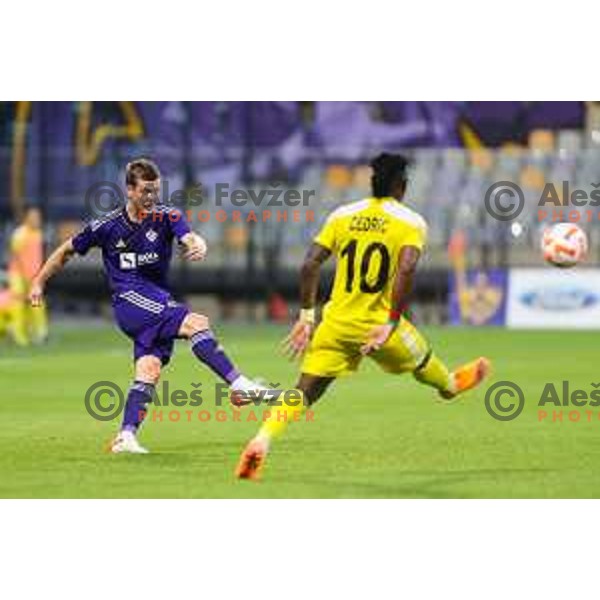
x=388, y=171
x=141, y=168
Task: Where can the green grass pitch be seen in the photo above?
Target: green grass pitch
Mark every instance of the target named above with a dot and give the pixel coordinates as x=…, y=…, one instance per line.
x=374, y=435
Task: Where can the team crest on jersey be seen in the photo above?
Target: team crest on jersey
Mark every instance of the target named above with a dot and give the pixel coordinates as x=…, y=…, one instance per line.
x=151, y=235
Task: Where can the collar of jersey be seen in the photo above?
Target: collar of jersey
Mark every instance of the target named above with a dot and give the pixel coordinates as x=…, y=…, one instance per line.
x=128, y=219
x=384, y=199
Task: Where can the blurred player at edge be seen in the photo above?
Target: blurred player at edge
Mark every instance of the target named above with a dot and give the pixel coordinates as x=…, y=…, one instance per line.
x=377, y=242
x=26, y=257
x=136, y=243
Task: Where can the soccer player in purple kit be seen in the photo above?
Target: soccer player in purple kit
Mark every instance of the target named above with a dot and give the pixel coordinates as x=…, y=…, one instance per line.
x=136, y=243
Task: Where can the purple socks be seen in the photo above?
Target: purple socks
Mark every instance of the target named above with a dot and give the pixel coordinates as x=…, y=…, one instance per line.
x=140, y=394
x=208, y=350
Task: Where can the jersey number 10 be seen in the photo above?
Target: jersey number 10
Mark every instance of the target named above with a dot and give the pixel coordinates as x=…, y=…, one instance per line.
x=376, y=248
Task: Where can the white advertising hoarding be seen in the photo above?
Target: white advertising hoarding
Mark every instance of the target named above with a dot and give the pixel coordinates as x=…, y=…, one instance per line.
x=552, y=298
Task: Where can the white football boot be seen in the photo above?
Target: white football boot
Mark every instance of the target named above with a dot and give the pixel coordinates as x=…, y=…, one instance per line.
x=244, y=391
x=126, y=441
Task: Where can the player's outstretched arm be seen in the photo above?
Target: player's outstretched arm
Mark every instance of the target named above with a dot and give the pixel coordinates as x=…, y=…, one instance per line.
x=56, y=261
x=297, y=341
x=194, y=246
x=403, y=285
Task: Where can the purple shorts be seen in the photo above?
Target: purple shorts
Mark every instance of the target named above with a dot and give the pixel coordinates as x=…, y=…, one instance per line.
x=151, y=320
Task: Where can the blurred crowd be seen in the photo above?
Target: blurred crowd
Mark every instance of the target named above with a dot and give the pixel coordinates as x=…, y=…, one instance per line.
x=52, y=153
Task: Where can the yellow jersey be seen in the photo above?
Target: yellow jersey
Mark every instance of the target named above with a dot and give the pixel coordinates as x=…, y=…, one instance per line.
x=366, y=238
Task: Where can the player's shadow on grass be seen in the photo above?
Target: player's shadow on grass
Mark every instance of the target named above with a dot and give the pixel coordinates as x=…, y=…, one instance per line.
x=427, y=484
x=213, y=452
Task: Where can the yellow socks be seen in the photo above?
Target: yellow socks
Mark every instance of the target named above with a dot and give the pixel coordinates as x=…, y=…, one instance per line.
x=276, y=418
x=38, y=320
x=435, y=373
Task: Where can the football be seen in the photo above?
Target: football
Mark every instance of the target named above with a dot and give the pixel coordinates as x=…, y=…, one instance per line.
x=564, y=244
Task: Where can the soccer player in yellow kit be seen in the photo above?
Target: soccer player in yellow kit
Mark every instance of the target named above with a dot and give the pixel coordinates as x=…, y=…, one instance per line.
x=26, y=258
x=377, y=243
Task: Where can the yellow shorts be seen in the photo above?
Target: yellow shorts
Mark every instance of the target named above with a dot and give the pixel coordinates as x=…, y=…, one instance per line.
x=335, y=350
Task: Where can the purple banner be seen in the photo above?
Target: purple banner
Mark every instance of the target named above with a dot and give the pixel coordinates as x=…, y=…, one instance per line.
x=478, y=297
x=52, y=151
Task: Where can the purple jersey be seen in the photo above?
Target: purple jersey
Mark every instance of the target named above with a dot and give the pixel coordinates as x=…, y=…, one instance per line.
x=136, y=255
x=136, y=259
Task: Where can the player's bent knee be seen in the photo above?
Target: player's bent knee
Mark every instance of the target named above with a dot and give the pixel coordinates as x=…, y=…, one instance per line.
x=194, y=323
x=313, y=387
x=147, y=369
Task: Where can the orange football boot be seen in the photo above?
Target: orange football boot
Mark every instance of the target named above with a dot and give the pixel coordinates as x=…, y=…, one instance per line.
x=252, y=460
x=468, y=376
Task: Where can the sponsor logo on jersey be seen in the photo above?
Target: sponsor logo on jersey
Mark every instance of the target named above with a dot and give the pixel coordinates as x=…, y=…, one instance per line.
x=127, y=260
x=131, y=260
